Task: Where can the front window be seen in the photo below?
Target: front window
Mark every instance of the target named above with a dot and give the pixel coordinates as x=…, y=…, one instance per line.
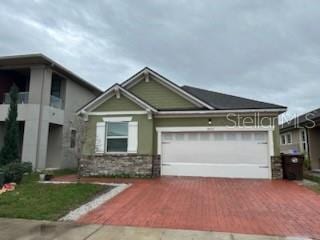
x=283, y=139
x=117, y=136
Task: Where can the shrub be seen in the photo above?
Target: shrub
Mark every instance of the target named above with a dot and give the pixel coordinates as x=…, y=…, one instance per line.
x=27, y=167
x=13, y=172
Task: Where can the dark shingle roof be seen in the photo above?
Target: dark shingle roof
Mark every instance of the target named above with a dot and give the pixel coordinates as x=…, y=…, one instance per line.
x=303, y=120
x=221, y=101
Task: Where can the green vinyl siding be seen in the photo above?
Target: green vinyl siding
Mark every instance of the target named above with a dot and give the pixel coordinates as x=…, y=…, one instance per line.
x=118, y=104
x=160, y=96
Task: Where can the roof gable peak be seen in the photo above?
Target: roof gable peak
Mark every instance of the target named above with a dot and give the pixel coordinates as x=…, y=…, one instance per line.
x=146, y=72
x=115, y=90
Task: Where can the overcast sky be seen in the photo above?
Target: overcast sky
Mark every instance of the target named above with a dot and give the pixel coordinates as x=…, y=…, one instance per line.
x=266, y=50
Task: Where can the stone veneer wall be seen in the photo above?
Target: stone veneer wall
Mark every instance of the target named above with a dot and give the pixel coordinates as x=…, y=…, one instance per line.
x=119, y=165
x=156, y=166
x=276, y=167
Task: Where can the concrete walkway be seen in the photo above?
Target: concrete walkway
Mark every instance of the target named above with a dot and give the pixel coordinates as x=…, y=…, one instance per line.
x=20, y=229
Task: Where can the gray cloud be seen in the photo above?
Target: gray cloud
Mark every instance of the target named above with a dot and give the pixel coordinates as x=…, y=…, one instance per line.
x=267, y=50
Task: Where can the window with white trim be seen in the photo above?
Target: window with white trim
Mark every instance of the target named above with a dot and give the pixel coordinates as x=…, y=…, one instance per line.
x=116, y=137
x=303, y=140
x=286, y=138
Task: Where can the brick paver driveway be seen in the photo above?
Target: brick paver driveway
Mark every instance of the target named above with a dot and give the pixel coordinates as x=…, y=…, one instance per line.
x=242, y=206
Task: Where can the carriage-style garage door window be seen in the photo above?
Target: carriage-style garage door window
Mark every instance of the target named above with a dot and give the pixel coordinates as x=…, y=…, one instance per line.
x=117, y=136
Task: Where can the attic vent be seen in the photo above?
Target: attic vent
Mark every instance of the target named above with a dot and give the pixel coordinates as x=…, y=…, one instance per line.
x=146, y=76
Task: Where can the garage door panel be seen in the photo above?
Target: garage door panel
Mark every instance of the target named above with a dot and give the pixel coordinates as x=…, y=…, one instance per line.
x=220, y=154
x=216, y=170
x=214, y=152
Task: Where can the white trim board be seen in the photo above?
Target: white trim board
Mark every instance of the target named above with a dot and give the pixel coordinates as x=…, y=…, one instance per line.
x=111, y=113
x=212, y=128
x=117, y=119
x=275, y=110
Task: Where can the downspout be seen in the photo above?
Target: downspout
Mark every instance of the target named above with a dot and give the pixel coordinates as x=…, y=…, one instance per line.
x=40, y=118
x=308, y=146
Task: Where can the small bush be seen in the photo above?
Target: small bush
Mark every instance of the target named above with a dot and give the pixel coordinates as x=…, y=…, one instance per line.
x=13, y=172
x=306, y=163
x=27, y=167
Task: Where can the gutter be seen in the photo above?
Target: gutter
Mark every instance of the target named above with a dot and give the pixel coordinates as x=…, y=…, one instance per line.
x=308, y=146
x=276, y=110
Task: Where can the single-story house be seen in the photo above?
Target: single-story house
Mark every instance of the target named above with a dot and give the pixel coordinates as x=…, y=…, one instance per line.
x=301, y=135
x=149, y=125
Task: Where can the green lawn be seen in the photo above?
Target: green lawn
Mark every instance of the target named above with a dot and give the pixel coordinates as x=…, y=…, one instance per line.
x=33, y=200
x=313, y=178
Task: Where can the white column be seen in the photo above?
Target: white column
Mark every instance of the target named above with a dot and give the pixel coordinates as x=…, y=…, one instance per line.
x=40, y=85
x=30, y=141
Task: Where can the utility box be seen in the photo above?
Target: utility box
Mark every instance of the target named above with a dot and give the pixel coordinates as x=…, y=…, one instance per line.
x=292, y=165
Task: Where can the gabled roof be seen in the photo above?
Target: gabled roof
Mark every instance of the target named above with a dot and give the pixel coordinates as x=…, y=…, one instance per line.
x=37, y=59
x=209, y=101
x=166, y=82
x=114, y=90
x=302, y=120
x=221, y=101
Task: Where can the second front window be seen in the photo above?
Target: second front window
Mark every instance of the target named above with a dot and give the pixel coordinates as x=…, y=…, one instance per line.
x=117, y=136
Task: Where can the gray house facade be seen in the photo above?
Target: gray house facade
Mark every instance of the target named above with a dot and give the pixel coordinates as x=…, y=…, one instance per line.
x=302, y=135
x=49, y=96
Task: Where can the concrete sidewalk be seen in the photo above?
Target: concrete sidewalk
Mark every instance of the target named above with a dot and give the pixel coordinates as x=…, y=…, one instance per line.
x=20, y=229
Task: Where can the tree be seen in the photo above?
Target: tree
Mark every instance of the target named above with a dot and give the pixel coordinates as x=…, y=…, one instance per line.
x=10, y=150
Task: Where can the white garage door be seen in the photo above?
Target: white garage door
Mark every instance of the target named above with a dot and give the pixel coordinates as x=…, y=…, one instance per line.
x=215, y=154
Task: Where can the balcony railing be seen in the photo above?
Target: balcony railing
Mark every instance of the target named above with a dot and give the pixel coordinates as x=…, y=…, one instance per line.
x=56, y=102
x=23, y=98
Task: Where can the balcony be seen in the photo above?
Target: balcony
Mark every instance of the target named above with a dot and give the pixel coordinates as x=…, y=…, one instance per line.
x=23, y=98
x=56, y=102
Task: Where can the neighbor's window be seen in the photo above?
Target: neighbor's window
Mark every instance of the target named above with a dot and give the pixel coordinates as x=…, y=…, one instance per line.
x=73, y=135
x=303, y=140
x=117, y=136
x=289, y=138
x=286, y=138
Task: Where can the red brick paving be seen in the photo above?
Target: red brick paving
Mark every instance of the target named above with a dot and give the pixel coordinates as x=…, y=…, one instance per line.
x=242, y=206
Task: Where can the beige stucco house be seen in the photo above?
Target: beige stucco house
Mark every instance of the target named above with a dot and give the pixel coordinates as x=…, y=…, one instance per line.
x=148, y=125
x=49, y=96
x=302, y=136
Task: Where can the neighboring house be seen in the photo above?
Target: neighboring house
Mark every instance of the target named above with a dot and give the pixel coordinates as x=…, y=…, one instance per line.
x=148, y=125
x=49, y=95
x=302, y=135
